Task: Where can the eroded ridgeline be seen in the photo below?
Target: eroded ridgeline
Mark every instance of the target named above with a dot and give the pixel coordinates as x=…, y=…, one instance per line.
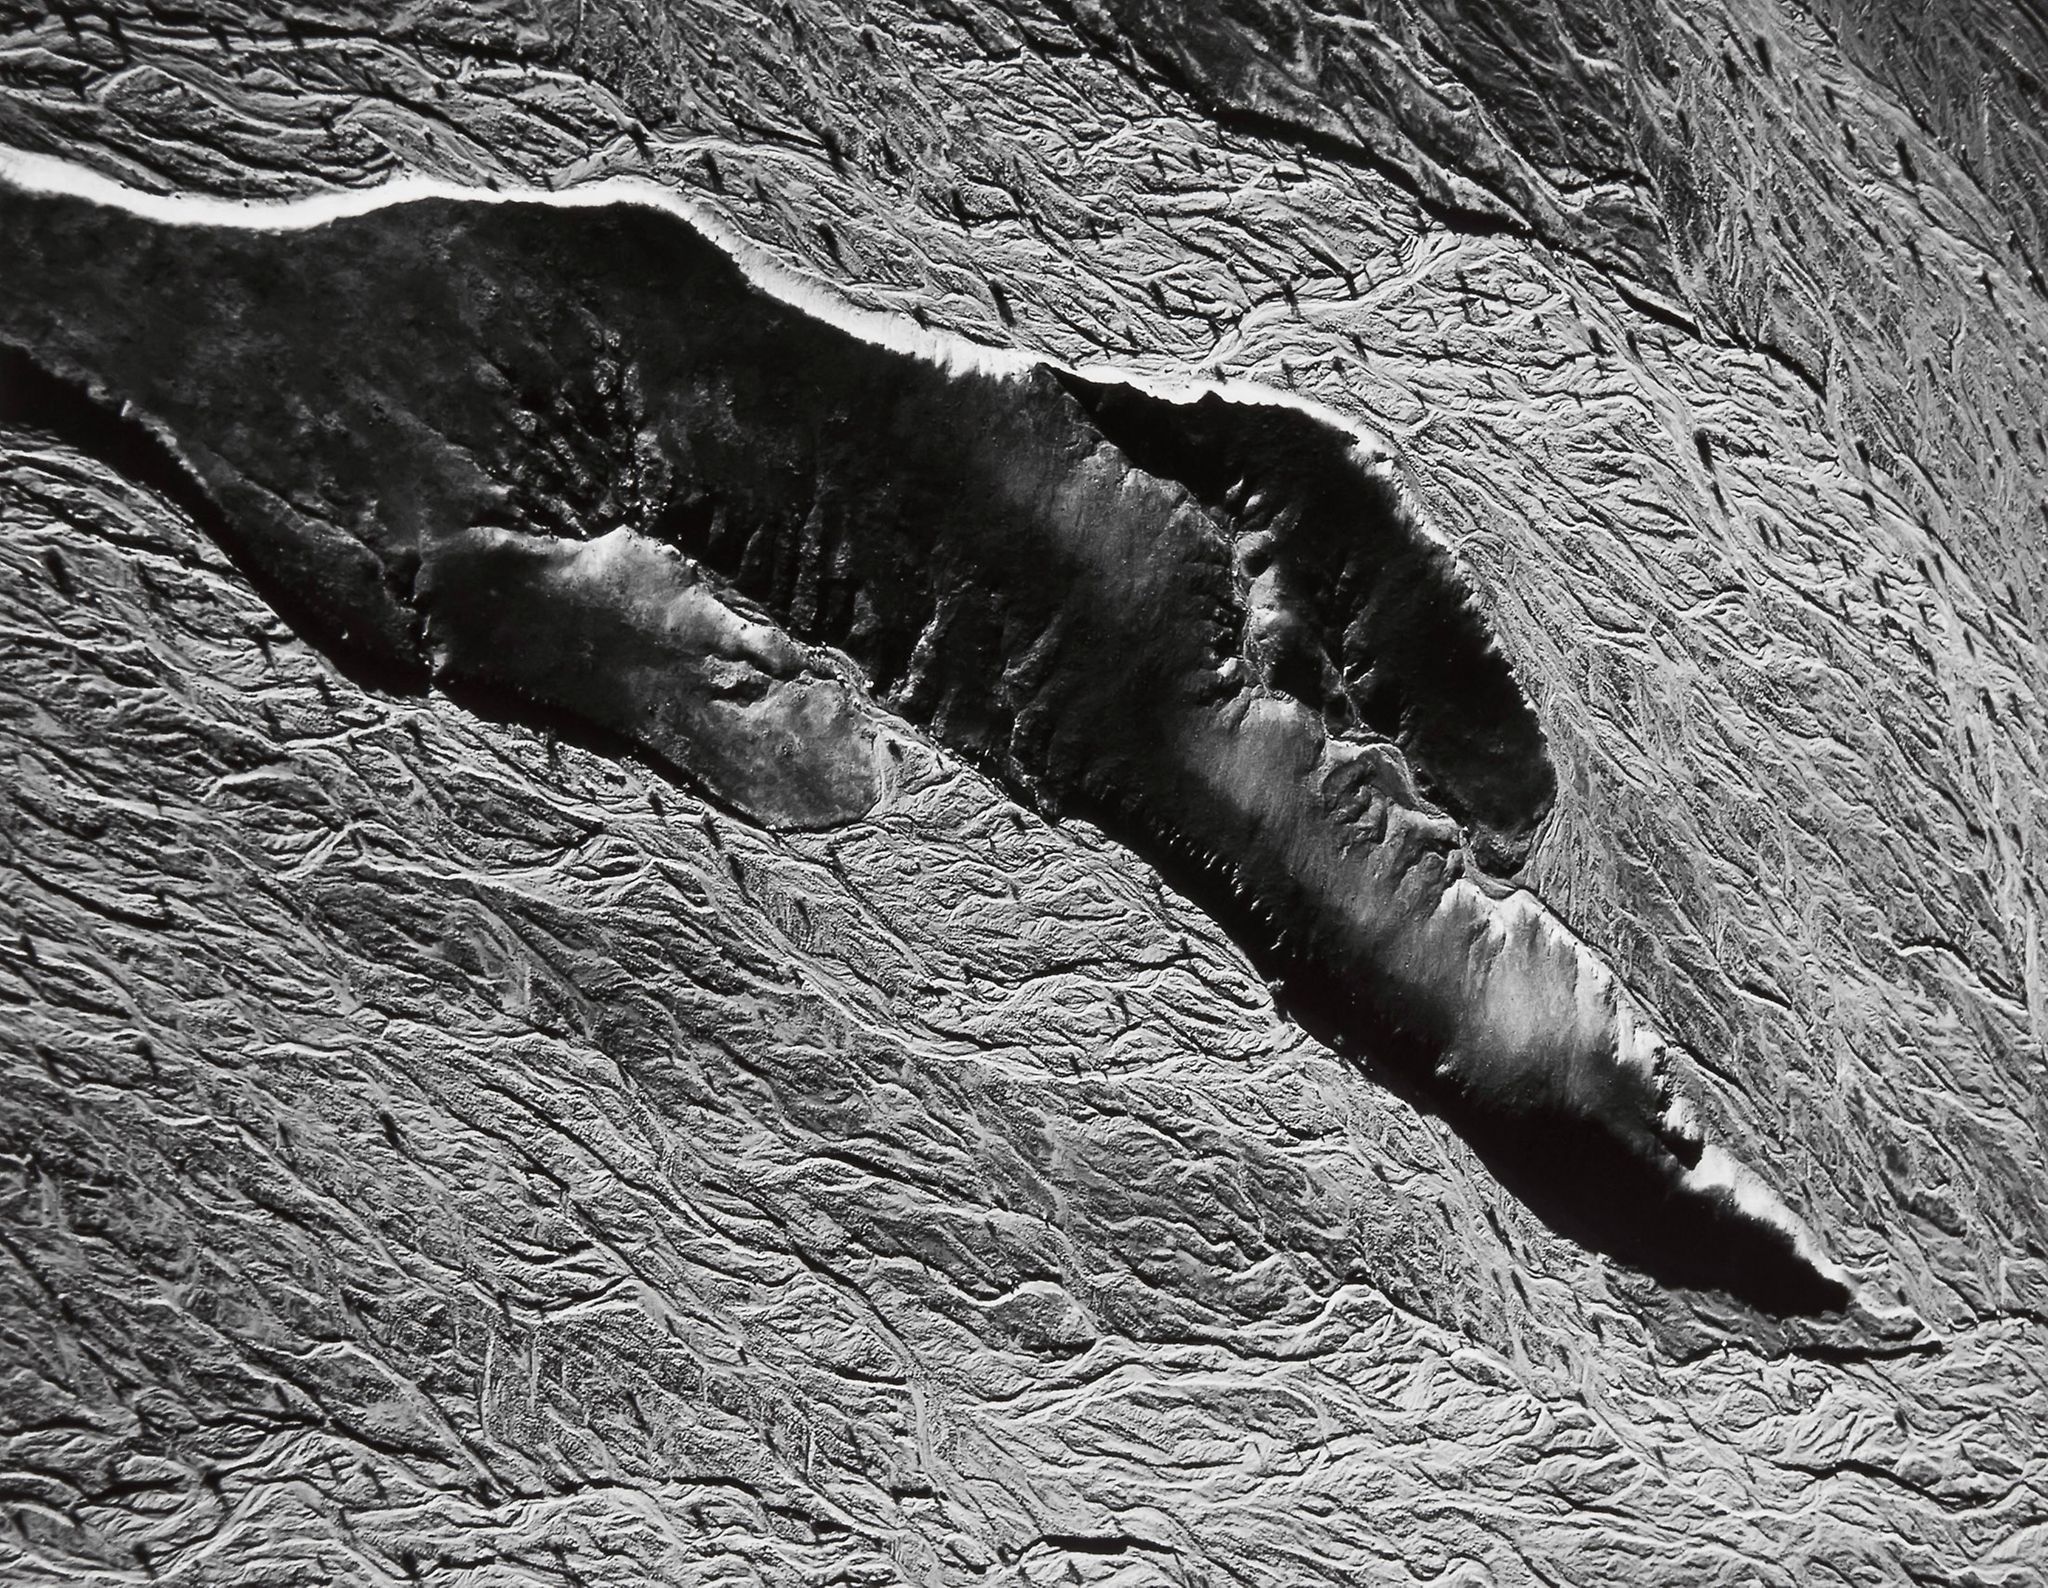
x=576, y=463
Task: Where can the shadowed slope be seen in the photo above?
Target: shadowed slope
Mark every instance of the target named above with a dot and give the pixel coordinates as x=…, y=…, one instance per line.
x=1212, y=627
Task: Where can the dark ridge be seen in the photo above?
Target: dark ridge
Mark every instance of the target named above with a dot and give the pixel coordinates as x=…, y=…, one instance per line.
x=40, y=399
x=1651, y=309
x=1211, y=627
x=1468, y=220
x=1146, y=43
x=1831, y=1351
x=1792, y=364
x=1563, y=1166
x=1105, y=1544
x=1650, y=246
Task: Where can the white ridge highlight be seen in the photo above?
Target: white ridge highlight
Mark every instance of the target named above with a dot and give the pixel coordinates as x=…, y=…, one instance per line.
x=1639, y=1047
x=52, y=177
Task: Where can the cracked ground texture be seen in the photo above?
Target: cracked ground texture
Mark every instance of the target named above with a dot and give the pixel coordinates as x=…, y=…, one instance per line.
x=431, y=1152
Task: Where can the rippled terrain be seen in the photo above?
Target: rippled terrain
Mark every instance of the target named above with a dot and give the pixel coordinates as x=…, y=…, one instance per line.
x=1040, y=793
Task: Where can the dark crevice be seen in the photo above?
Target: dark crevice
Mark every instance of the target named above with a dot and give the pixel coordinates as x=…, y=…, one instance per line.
x=1829, y=1351
x=1467, y=219
x=1562, y=1165
x=1509, y=219
x=1105, y=1544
